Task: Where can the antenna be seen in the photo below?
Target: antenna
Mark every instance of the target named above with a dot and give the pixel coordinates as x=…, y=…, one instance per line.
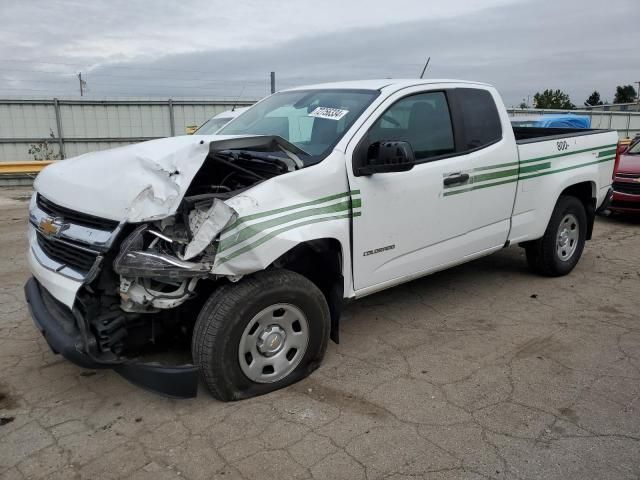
x=233, y=109
x=425, y=67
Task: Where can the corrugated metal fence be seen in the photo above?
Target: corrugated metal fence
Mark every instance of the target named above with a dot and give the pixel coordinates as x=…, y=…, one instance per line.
x=77, y=126
x=626, y=123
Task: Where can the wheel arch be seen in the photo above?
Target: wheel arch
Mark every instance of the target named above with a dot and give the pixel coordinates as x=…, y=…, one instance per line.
x=322, y=262
x=586, y=192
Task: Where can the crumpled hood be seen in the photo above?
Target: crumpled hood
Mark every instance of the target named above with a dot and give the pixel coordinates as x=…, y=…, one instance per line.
x=136, y=183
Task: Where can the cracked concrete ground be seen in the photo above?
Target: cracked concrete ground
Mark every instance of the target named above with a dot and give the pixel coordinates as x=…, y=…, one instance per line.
x=483, y=371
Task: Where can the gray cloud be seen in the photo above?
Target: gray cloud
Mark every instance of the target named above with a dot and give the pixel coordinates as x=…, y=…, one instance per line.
x=520, y=47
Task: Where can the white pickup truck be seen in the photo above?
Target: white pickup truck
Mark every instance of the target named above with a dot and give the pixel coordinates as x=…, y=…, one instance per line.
x=246, y=243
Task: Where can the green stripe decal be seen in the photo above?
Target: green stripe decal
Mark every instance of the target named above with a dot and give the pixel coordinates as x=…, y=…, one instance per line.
x=535, y=168
x=477, y=187
x=531, y=160
x=566, y=168
x=291, y=207
x=564, y=154
x=500, y=165
x=491, y=176
x=343, y=208
x=606, y=153
x=252, y=230
x=529, y=171
x=496, y=175
x=275, y=233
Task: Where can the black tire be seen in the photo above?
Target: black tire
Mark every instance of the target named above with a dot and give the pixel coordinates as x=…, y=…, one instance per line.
x=543, y=256
x=228, y=311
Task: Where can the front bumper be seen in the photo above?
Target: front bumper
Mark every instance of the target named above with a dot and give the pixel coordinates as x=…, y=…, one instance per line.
x=625, y=202
x=47, y=272
x=67, y=333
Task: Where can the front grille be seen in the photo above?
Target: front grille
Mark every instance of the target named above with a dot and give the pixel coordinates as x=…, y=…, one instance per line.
x=76, y=218
x=67, y=254
x=624, y=187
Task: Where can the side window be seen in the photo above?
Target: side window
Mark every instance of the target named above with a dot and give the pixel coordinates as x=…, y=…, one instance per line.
x=480, y=116
x=423, y=120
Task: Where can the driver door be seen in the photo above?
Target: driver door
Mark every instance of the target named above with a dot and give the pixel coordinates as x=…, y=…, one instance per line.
x=408, y=226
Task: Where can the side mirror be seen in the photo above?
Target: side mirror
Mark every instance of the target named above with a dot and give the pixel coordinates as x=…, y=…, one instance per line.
x=384, y=157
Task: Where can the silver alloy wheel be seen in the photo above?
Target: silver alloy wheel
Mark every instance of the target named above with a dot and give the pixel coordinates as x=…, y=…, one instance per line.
x=273, y=343
x=568, y=237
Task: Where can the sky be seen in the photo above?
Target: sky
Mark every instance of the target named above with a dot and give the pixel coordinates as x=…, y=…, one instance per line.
x=225, y=49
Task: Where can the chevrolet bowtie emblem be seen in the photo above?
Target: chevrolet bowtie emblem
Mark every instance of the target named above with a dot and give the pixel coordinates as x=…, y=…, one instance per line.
x=51, y=226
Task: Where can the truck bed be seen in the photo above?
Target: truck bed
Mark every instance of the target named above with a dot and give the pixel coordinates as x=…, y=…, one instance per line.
x=552, y=159
x=537, y=134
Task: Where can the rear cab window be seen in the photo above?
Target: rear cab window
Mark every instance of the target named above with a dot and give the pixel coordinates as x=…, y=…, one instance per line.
x=479, y=119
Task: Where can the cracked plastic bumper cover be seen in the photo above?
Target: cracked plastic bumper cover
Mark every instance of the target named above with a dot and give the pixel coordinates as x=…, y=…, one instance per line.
x=179, y=381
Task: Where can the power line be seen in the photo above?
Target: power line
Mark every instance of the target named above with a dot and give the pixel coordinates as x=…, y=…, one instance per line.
x=136, y=77
x=72, y=92
x=133, y=67
x=203, y=86
x=129, y=68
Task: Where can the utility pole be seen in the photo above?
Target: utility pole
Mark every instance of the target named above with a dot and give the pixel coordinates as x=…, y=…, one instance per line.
x=82, y=83
x=425, y=67
x=273, y=82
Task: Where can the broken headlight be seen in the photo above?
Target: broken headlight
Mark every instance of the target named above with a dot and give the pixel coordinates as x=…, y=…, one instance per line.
x=149, y=253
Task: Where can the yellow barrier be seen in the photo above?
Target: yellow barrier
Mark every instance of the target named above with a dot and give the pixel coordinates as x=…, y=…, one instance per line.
x=22, y=168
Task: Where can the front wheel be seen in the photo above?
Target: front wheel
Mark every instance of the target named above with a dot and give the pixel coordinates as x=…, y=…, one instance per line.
x=258, y=335
x=559, y=250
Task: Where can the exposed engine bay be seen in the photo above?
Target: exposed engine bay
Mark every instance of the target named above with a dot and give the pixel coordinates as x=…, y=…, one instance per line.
x=160, y=263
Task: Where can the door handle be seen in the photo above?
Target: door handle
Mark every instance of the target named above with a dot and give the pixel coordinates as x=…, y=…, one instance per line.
x=456, y=178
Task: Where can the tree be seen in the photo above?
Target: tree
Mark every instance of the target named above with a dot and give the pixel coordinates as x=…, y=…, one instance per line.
x=523, y=105
x=553, y=99
x=594, y=99
x=625, y=94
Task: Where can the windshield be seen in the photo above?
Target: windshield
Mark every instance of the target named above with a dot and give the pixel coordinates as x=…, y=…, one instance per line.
x=212, y=126
x=634, y=148
x=313, y=120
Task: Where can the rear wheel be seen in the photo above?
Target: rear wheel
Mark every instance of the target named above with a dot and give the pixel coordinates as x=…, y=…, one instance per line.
x=258, y=335
x=559, y=250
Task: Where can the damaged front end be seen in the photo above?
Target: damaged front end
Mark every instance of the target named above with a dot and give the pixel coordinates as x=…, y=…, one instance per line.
x=160, y=264
x=146, y=286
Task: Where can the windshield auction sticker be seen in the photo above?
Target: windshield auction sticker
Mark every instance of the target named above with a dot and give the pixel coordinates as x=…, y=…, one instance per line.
x=329, y=113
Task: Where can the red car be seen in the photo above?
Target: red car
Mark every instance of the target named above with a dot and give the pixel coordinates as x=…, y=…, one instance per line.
x=626, y=179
